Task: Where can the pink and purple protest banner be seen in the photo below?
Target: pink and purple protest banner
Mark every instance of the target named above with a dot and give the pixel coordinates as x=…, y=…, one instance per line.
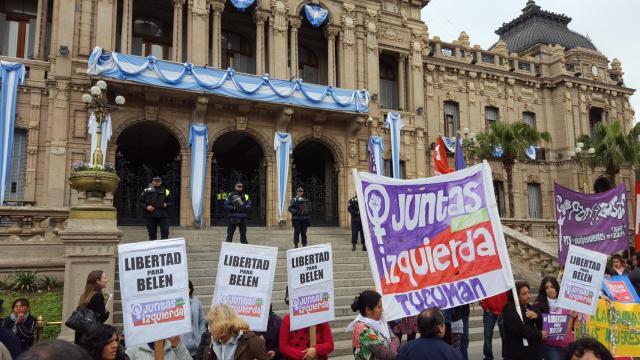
x=435, y=241
x=596, y=222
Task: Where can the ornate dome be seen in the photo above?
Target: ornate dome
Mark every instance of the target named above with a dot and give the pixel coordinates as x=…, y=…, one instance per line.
x=537, y=26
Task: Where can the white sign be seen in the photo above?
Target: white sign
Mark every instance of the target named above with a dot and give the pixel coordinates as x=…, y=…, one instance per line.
x=310, y=279
x=154, y=283
x=245, y=280
x=582, y=279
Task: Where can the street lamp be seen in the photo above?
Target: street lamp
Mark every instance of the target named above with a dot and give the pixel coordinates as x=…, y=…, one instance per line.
x=98, y=104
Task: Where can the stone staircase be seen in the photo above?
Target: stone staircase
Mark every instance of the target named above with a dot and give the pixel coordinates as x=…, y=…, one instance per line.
x=351, y=272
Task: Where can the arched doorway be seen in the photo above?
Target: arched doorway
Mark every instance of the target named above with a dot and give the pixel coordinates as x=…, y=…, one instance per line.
x=145, y=150
x=313, y=170
x=238, y=157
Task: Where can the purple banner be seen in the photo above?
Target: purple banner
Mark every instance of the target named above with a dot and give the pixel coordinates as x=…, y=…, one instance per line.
x=596, y=222
x=556, y=325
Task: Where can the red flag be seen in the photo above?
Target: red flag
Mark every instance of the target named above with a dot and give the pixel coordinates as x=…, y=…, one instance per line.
x=440, y=161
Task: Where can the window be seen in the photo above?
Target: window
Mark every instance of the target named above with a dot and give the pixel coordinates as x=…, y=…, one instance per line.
x=237, y=53
x=308, y=67
x=388, y=169
x=151, y=37
x=14, y=189
x=529, y=118
x=451, y=118
x=491, y=116
x=595, y=116
x=388, y=82
x=498, y=190
x=18, y=27
x=535, y=201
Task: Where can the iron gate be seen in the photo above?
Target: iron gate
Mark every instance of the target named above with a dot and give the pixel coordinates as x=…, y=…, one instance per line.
x=323, y=198
x=133, y=180
x=254, y=185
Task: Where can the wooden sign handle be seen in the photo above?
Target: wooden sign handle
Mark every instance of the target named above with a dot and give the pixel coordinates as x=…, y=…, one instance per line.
x=158, y=350
x=312, y=336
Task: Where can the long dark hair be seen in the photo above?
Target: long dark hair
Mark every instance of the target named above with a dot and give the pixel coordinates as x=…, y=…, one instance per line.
x=96, y=338
x=519, y=285
x=543, y=300
x=367, y=299
x=91, y=288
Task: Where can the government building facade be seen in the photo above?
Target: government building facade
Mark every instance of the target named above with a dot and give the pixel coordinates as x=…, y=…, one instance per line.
x=539, y=72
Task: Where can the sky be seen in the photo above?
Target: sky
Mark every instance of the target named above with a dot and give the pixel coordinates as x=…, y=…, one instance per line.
x=611, y=25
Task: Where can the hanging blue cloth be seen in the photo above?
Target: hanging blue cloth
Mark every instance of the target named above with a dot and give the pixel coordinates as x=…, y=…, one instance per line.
x=242, y=5
x=316, y=14
x=11, y=75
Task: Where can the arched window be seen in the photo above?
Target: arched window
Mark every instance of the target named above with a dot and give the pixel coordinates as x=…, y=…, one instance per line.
x=388, y=82
x=237, y=53
x=451, y=118
x=18, y=27
x=595, y=116
x=308, y=65
x=151, y=37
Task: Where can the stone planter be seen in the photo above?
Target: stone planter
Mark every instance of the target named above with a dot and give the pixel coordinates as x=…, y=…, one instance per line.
x=94, y=182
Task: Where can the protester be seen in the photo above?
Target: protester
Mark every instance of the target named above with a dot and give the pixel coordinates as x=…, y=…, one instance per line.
x=457, y=328
x=101, y=342
x=618, y=265
x=55, y=350
x=93, y=299
x=634, y=278
x=518, y=329
x=272, y=335
x=21, y=323
x=155, y=200
x=371, y=337
x=430, y=344
x=492, y=314
x=173, y=349
x=586, y=348
x=4, y=353
x=635, y=261
x=229, y=338
x=547, y=303
x=296, y=344
x=198, y=323
x=300, y=208
x=356, y=223
x=238, y=205
x=11, y=341
x=405, y=326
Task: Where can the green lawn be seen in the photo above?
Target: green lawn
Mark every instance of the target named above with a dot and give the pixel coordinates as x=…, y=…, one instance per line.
x=47, y=304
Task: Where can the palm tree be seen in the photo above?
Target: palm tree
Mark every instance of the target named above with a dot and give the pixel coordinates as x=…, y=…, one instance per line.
x=514, y=139
x=613, y=148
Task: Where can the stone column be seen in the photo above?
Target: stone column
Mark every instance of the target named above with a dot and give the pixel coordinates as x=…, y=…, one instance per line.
x=127, y=26
x=186, y=213
x=260, y=19
x=402, y=86
x=416, y=76
x=294, y=25
x=41, y=29
x=216, y=43
x=199, y=15
x=372, y=55
x=176, y=45
x=347, y=60
x=84, y=26
x=105, y=22
x=330, y=33
x=279, y=44
x=421, y=156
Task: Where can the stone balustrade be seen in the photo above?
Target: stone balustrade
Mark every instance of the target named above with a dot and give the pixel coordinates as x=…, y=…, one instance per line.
x=26, y=223
x=544, y=230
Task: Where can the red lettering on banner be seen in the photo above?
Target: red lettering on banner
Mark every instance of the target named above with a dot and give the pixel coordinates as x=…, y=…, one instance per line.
x=443, y=259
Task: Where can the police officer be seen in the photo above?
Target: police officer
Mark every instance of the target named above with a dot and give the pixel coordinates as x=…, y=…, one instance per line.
x=356, y=223
x=237, y=204
x=300, y=208
x=155, y=200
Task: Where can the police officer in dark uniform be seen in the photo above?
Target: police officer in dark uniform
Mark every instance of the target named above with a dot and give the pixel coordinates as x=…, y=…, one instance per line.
x=356, y=223
x=300, y=208
x=237, y=204
x=155, y=201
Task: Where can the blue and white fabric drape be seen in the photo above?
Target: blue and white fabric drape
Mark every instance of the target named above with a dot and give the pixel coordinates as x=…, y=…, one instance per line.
x=498, y=151
x=283, y=146
x=531, y=152
x=198, y=140
x=11, y=74
x=449, y=143
x=92, y=129
x=315, y=14
x=242, y=5
x=394, y=123
x=151, y=71
x=375, y=147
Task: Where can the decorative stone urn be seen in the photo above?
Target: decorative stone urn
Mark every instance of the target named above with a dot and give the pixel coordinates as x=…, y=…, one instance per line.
x=95, y=183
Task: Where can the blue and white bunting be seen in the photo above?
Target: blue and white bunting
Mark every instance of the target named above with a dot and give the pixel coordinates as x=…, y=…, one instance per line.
x=375, y=147
x=531, y=152
x=498, y=151
x=449, y=143
x=394, y=123
x=151, y=71
x=198, y=140
x=315, y=14
x=11, y=74
x=283, y=147
x=242, y=5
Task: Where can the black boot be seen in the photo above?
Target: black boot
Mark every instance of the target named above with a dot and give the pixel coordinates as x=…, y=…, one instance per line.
x=296, y=245
x=353, y=247
x=364, y=248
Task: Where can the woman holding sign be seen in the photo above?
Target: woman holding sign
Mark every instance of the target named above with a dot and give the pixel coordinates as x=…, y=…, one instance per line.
x=556, y=319
x=522, y=339
x=372, y=339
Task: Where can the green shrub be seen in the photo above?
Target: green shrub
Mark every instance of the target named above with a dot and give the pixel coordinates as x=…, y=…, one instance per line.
x=48, y=283
x=24, y=281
